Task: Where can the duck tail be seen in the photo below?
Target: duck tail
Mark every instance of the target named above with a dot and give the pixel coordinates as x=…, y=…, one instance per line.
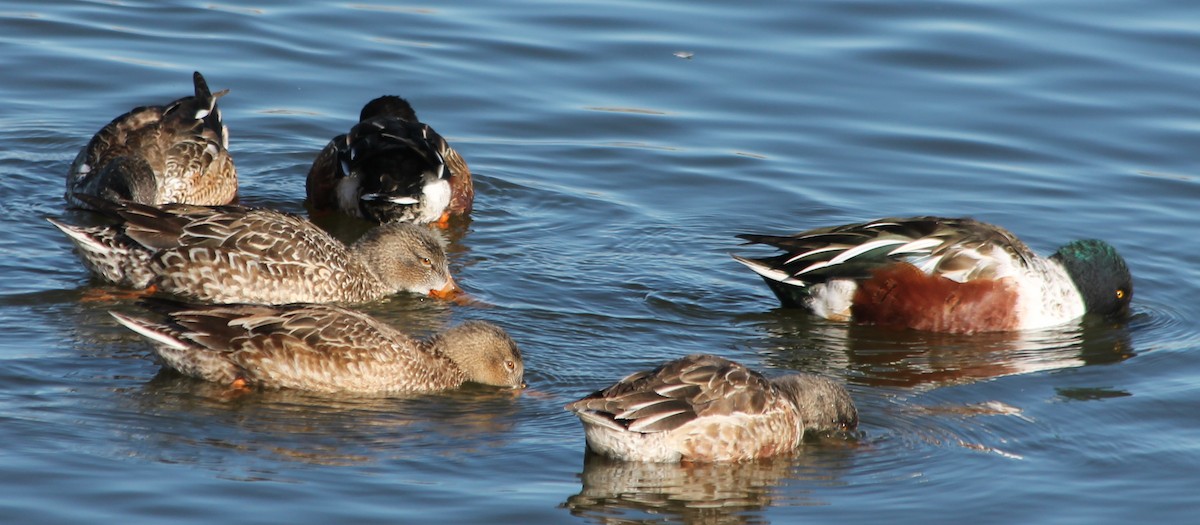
x=159, y=333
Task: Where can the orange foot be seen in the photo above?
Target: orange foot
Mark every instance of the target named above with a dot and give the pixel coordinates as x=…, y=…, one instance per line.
x=443, y=222
x=103, y=295
x=238, y=388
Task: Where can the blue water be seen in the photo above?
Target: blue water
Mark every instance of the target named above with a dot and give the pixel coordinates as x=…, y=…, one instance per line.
x=617, y=148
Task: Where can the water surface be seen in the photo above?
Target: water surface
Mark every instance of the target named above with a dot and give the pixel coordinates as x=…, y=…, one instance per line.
x=617, y=148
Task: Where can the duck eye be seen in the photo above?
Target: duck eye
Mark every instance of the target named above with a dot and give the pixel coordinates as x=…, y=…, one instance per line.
x=425, y=261
x=1120, y=294
x=510, y=365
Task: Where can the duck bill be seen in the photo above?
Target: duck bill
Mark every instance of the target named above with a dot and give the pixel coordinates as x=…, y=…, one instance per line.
x=450, y=292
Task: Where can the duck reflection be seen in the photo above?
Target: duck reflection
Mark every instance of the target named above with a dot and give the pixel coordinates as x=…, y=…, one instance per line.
x=347, y=229
x=885, y=357
x=185, y=420
x=617, y=491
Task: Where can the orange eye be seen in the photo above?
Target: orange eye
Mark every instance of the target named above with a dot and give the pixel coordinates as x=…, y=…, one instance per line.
x=426, y=261
x=1120, y=294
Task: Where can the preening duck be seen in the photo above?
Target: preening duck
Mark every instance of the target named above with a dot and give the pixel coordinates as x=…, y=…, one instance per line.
x=391, y=167
x=160, y=154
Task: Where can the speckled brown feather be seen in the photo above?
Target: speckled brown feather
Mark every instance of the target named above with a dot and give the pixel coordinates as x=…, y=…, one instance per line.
x=181, y=146
x=239, y=254
x=309, y=347
x=701, y=408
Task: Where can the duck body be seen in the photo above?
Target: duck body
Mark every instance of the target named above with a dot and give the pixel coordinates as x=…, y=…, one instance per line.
x=229, y=254
x=322, y=348
x=941, y=274
x=177, y=153
x=391, y=167
x=703, y=408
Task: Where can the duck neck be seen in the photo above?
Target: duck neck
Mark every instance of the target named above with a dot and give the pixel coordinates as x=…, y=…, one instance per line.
x=823, y=405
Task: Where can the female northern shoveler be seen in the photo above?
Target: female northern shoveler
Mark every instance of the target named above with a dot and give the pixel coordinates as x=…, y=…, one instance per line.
x=323, y=348
x=940, y=274
x=704, y=408
x=391, y=168
x=160, y=154
x=231, y=254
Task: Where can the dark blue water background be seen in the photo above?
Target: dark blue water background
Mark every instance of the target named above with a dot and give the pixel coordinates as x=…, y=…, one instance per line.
x=618, y=147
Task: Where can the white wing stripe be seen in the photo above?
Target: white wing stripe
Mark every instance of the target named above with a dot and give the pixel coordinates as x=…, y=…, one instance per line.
x=919, y=245
x=834, y=248
x=768, y=272
x=863, y=248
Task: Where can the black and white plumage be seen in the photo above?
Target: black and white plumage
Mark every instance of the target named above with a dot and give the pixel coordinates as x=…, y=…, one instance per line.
x=391, y=167
x=941, y=274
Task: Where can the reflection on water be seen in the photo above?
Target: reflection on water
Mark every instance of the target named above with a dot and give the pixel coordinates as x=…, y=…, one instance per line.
x=185, y=420
x=878, y=356
x=625, y=492
x=901, y=379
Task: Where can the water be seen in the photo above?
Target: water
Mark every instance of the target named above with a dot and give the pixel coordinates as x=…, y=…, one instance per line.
x=612, y=173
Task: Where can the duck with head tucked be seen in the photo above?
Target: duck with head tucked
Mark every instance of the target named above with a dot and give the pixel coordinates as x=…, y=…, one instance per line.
x=160, y=154
x=323, y=348
x=231, y=254
x=391, y=167
x=941, y=274
x=703, y=408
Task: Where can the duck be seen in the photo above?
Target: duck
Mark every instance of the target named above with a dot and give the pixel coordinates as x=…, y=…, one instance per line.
x=322, y=348
x=703, y=408
x=233, y=254
x=175, y=153
x=391, y=167
x=939, y=274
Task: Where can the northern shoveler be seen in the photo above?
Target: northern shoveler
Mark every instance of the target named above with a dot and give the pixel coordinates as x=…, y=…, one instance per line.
x=231, y=254
x=391, y=167
x=323, y=348
x=160, y=154
x=941, y=274
x=703, y=408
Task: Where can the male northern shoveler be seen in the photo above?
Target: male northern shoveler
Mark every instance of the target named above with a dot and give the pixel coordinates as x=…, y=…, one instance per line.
x=391, y=168
x=941, y=274
x=704, y=408
x=160, y=154
x=231, y=254
x=323, y=348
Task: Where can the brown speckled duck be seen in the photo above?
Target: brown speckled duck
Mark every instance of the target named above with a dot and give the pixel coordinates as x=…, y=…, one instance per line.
x=231, y=254
x=323, y=348
x=160, y=154
x=703, y=408
x=391, y=167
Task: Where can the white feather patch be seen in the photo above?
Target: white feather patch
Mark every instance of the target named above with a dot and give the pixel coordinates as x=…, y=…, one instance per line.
x=405, y=200
x=769, y=272
x=918, y=246
x=140, y=326
x=84, y=240
x=864, y=248
x=639, y=424
x=835, y=248
x=850, y=254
